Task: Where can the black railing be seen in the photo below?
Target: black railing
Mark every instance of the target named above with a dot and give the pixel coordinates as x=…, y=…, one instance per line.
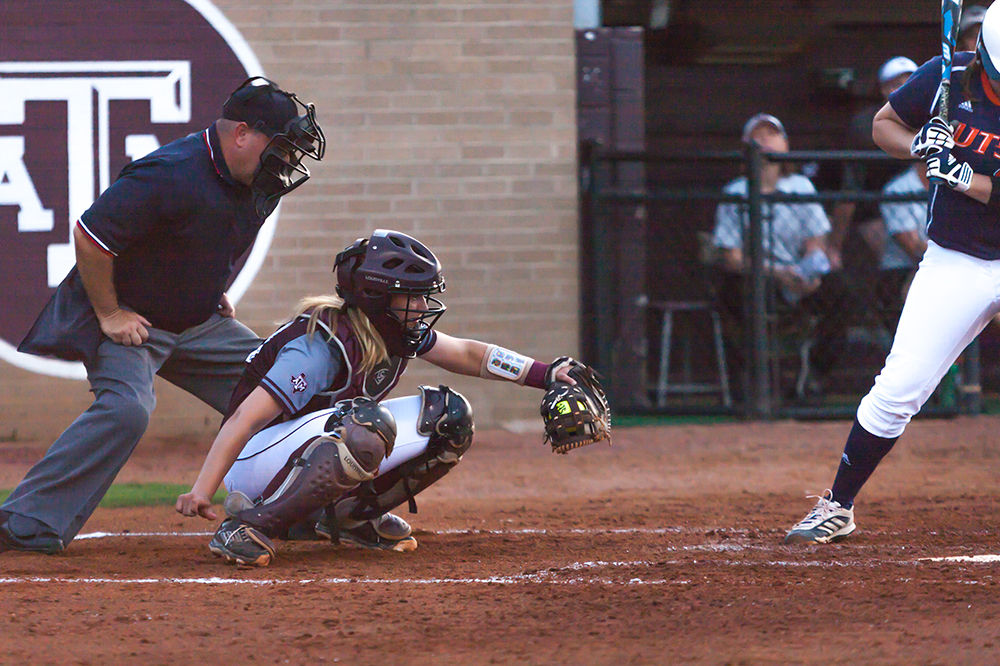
x=646, y=219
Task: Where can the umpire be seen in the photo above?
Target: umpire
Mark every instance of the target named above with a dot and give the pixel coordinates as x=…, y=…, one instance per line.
x=154, y=255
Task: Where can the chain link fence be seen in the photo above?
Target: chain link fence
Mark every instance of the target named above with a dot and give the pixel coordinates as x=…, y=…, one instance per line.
x=748, y=283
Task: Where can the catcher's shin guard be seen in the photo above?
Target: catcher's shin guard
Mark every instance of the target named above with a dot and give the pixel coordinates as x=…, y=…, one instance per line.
x=446, y=418
x=322, y=473
x=327, y=467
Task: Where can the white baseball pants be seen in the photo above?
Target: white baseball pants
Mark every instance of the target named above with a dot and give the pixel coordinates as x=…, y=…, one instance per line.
x=952, y=299
x=268, y=451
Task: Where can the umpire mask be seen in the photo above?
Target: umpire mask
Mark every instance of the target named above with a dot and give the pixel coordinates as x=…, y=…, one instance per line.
x=291, y=124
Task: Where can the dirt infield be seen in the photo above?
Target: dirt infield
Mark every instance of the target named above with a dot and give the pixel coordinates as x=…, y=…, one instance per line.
x=664, y=549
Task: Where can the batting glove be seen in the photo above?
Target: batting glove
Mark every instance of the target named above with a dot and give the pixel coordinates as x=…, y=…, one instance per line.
x=933, y=137
x=956, y=175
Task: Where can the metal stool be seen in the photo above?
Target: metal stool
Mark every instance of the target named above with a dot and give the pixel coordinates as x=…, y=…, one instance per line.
x=663, y=386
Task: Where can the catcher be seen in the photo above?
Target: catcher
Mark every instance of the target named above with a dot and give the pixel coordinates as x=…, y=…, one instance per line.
x=307, y=450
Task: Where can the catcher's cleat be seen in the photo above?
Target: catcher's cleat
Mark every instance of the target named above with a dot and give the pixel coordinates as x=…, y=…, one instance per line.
x=241, y=544
x=827, y=522
x=387, y=532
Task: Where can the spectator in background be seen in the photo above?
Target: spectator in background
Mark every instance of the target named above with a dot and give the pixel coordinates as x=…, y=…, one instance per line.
x=968, y=27
x=849, y=215
x=795, y=237
x=905, y=241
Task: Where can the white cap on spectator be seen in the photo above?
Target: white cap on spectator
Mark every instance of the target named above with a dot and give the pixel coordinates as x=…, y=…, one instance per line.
x=971, y=17
x=893, y=67
x=760, y=119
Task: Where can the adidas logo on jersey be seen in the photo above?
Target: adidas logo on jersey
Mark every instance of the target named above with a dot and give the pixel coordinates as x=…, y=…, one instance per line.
x=966, y=105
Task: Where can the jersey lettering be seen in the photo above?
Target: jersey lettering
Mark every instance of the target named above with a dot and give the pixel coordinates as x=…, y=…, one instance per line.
x=967, y=141
x=987, y=138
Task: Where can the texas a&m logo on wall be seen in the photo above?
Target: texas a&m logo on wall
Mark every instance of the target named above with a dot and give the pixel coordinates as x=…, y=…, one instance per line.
x=84, y=89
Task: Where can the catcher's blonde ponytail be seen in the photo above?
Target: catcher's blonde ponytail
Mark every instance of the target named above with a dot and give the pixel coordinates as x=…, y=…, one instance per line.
x=373, y=349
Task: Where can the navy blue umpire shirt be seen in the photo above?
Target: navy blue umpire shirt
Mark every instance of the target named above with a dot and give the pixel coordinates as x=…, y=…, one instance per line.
x=176, y=224
x=954, y=220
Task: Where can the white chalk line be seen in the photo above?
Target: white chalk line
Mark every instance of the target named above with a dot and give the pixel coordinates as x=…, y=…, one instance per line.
x=111, y=535
x=710, y=547
x=963, y=558
x=725, y=546
x=492, y=580
x=525, y=531
x=551, y=576
x=554, y=576
x=533, y=531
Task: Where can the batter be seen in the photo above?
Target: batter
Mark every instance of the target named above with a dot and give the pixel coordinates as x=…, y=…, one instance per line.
x=956, y=290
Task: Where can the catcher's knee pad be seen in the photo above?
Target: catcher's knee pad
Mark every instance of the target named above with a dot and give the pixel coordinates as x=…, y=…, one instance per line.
x=446, y=420
x=358, y=436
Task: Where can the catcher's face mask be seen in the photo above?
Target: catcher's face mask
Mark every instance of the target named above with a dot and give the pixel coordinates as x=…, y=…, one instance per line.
x=294, y=133
x=415, y=312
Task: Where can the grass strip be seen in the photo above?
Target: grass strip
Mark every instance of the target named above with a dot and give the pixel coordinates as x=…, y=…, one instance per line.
x=141, y=494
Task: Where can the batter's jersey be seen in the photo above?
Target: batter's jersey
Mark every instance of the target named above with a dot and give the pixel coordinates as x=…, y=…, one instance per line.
x=956, y=221
x=305, y=373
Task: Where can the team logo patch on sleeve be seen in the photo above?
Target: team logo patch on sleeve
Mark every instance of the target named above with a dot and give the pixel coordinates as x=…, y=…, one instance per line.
x=299, y=383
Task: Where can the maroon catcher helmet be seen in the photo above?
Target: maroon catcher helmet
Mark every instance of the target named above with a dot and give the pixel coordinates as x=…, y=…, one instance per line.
x=371, y=270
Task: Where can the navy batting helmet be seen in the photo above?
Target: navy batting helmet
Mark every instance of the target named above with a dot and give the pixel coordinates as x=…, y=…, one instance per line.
x=989, y=42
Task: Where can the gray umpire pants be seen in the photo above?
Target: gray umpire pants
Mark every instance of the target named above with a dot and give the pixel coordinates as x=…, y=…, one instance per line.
x=65, y=486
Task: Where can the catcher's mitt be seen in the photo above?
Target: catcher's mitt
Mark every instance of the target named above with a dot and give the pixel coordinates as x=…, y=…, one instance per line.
x=574, y=414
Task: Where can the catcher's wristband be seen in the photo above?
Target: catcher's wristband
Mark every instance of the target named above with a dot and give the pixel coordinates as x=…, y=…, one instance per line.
x=500, y=363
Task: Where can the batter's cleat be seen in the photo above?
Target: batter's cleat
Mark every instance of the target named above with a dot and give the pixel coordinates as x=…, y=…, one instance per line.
x=241, y=544
x=827, y=522
x=28, y=535
x=387, y=532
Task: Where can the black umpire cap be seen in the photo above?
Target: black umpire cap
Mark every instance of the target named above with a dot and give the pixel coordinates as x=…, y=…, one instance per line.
x=262, y=105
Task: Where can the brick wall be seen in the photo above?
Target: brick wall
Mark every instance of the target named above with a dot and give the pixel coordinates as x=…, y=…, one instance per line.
x=450, y=121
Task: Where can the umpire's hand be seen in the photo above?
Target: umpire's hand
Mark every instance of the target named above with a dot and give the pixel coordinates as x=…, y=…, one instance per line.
x=124, y=327
x=226, y=307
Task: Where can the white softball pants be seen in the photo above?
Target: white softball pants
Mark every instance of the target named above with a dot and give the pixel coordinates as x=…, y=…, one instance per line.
x=268, y=451
x=952, y=299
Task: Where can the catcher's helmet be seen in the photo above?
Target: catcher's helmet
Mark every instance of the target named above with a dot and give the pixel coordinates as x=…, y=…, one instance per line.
x=371, y=270
x=265, y=107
